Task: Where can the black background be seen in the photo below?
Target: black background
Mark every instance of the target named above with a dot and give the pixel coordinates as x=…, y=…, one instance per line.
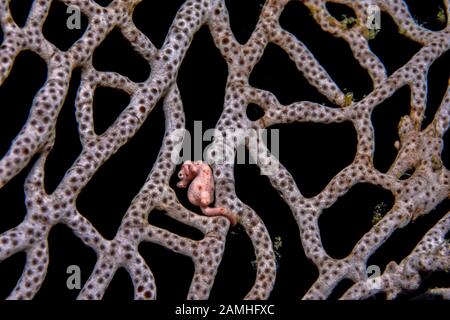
x=313, y=153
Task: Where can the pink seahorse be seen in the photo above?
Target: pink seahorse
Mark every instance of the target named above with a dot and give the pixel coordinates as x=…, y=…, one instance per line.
x=201, y=189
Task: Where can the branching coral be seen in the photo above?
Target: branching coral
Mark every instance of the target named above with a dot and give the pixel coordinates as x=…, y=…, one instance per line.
x=418, y=148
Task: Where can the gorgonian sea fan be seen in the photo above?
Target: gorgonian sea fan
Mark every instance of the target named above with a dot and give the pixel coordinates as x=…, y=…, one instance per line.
x=417, y=178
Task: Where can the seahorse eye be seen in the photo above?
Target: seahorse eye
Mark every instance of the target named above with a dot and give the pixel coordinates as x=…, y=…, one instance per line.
x=180, y=174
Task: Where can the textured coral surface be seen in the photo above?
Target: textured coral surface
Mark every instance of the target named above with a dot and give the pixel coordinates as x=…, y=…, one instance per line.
x=416, y=178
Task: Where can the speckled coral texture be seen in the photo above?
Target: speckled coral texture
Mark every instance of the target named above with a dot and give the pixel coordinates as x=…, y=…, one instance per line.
x=418, y=148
